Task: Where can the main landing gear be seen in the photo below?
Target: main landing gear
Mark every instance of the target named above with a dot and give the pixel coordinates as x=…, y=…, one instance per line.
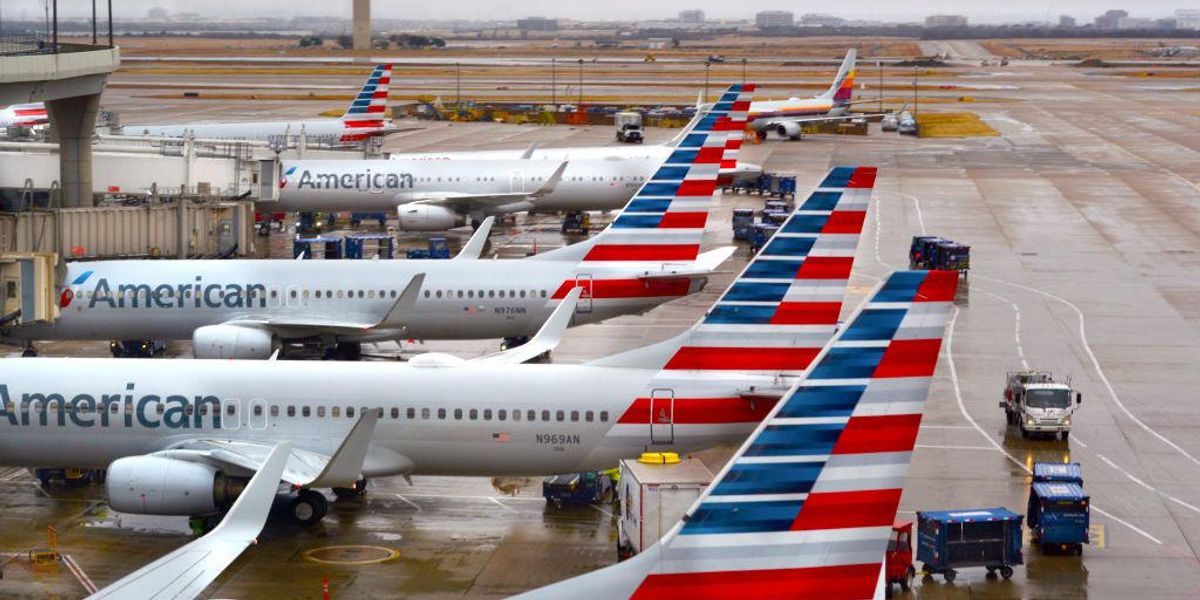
x=309, y=507
x=350, y=493
x=344, y=351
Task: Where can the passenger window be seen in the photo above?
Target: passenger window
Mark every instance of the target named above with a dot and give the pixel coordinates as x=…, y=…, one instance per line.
x=522, y=293
x=339, y=294
x=321, y=412
x=517, y=415
x=604, y=416
x=439, y=293
x=589, y=416
x=335, y=411
x=292, y=293
x=305, y=411
x=559, y=415
x=428, y=293
x=543, y=293
x=574, y=416
x=491, y=293
x=470, y=293
x=158, y=408
x=545, y=415
x=395, y=413
x=425, y=413
x=458, y=414
x=441, y=413
x=487, y=414
x=473, y=414
x=371, y=293
x=460, y=293
x=258, y=410
x=230, y=409
x=393, y=293
x=502, y=415
x=350, y=412
x=361, y=294
x=274, y=411
x=412, y=413
x=382, y=293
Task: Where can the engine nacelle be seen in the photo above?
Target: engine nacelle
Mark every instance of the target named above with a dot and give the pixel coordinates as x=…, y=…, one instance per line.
x=153, y=485
x=788, y=129
x=232, y=341
x=425, y=217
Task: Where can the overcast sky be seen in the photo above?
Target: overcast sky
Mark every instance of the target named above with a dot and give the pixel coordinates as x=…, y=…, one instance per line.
x=989, y=12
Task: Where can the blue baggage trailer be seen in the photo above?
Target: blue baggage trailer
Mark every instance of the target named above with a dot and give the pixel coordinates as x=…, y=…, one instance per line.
x=1059, y=510
x=328, y=247
x=979, y=537
x=370, y=245
x=743, y=224
x=575, y=489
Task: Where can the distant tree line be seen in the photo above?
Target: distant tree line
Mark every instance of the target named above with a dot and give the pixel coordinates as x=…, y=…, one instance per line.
x=973, y=32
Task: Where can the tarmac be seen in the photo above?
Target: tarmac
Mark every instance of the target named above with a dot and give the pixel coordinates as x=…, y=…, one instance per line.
x=1082, y=218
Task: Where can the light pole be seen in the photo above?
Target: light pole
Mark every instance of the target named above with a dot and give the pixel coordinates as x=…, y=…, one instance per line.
x=577, y=106
x=457, y=85
x=553, y=83
x=879, y=64
x=916, y=77
x=743, y=71
x=707, y=64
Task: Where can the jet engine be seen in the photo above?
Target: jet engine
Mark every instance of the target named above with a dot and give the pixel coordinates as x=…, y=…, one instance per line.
x=426, y=217
x=788, y=129
x=153, y=485
x=232, y=341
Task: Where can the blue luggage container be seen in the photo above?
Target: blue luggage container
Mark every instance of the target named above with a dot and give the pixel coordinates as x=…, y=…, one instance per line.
x=980, y=537
x=1059, y=510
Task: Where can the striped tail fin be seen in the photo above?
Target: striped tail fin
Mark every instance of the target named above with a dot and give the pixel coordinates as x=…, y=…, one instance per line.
x=805, y=507
x=664, y=221
x=842, y=88
x=371, y=101
x=783, y=308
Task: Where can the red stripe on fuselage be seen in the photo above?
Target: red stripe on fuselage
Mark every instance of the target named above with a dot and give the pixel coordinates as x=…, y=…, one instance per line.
x=355, y=124
x=830, y=582
x=643, y=252
x=881, y=433
x=701, y=411
x=842, y=510
x=627, y=288
x=741, y=359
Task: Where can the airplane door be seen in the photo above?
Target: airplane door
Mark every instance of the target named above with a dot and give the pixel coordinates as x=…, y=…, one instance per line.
x=585, y=281
x=293, y=295
x=662, y=416
x=516, y=181
x=256, y=417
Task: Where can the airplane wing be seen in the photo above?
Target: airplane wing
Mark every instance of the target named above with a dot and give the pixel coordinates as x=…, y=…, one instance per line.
x=472, y=201
x=297, y=326
x=474, y=246
x=547, y=337
x=705, y=264
x=185, y=572
x=772, y=122
x=303, y=468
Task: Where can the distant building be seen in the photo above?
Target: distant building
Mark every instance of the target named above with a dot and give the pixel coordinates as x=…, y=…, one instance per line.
x=945, y=21
x=1133, y=23
x=1186, y=18
x=820, y=20
x=158, y=13
x=659, y=43
x=1066, y=21
x=537, y=24
x=1167, y=24
x=772, y=19
x=694, y=17
x=1110, y=19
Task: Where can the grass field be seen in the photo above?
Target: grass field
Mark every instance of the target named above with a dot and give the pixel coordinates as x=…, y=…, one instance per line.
x=952, y=125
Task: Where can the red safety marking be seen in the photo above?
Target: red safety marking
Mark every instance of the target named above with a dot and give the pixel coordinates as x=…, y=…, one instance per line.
x=842, y=510
x=627, y=288
x=741, y=359
x=643, y=252
x=832, y=583
x=908, y=358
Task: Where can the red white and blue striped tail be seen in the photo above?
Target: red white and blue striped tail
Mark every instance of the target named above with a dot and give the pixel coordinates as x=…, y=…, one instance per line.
x=664, y=221
x=371, y=101
x=805, y=507
x=784, y=306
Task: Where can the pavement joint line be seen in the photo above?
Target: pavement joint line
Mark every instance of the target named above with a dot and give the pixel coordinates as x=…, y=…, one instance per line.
x=949, y=447
x=77, y=571
x=502, y=505
x=409, y=502
x=966, y=415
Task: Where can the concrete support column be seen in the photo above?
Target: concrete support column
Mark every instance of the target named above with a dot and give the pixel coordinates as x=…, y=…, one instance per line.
x=73, y=121
x=362, y=24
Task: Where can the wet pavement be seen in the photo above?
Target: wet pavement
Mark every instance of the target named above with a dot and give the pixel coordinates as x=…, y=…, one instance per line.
x=1083, y=222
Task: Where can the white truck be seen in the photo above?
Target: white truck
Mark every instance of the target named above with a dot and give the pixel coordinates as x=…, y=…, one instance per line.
x=1036, y=403
x=655, y=492
x=629, y=127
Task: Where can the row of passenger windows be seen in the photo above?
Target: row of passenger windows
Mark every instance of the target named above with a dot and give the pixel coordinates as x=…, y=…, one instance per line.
x=458, y=414
x=274, y=293
x=490, y=293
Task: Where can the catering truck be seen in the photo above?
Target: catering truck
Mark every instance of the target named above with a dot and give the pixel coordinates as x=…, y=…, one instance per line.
x=1038, y=404
x=655, y=491
x=629, y=127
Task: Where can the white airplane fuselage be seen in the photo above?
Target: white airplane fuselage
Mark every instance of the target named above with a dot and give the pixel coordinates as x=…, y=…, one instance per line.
x=460, y=299
x=333, y=130
x=23, y=115
x=381, y=185
x=437, y=420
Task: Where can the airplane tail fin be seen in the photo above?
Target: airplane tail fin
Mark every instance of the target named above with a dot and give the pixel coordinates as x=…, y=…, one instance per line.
x=843, y=84
x=371, y=100
x=664, y=221
x=784, y=306
x=807, y=503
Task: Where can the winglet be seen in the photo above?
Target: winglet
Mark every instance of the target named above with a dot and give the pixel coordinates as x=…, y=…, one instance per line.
x=345, y=466
x=552, y=181
x=400, y=311
x=474, y=246
x=547, y=337
x=528, y=153
x=185, y=572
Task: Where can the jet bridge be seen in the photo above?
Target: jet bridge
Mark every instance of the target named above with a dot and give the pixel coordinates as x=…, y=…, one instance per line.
x=28, y=282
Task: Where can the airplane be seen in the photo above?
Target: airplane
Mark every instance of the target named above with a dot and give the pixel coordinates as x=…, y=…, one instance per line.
x=804, y=508
x=23, y=115
x=178, y=439
x=248, y=308
x=786, y=117
x=362, y=119
x=435, y=195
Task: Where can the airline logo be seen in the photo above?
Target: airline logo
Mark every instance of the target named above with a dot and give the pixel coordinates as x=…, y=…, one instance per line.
x=665, y=219
x=197, y=294
x=114, y=408
x=365, y=114
x=365, y=179
x=805, y=507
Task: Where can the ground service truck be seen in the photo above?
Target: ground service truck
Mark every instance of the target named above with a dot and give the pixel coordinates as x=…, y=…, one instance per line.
x=655, y=491
x=1036, y=403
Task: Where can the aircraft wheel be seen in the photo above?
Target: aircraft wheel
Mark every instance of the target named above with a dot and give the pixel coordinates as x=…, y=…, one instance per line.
x=907, y=582
x=949, y=575
x=348, y=351
x=309, y=507
x=349, y=493
x=29, y=352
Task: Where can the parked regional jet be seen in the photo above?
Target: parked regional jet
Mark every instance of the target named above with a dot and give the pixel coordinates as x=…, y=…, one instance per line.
x=23, y=115
x=805, y=507
x=248, y=308
x=786, y=117
x=364, y=118
x=178, y=439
